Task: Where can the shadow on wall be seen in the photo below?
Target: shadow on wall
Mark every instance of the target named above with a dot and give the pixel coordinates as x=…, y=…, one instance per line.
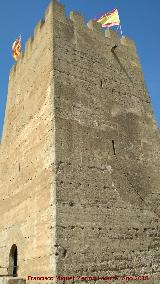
x=132, y=168
x=119, y=62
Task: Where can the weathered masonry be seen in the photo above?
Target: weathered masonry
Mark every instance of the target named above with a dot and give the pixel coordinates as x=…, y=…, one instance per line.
x=80, y=157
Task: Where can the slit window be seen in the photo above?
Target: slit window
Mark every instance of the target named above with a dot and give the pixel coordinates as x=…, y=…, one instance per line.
x=114, y=150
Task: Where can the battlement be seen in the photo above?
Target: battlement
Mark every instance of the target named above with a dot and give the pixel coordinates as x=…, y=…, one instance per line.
x=79, y=155
x=56, y=13
x=84, y=39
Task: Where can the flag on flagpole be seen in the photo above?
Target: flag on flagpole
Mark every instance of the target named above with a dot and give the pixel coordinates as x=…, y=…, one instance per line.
x=16, y=48
x=110, y=19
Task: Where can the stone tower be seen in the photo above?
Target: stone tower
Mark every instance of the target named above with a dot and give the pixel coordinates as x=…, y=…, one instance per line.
x=80, y=156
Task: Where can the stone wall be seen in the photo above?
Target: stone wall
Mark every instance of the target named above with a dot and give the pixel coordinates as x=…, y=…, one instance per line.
x=79, y=165
x=107, y=155
x=27, y=157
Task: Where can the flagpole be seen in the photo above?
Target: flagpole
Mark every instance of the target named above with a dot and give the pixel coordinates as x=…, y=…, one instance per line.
x=121, y=30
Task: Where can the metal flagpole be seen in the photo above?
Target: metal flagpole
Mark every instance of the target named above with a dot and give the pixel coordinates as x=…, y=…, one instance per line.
x=121, y=30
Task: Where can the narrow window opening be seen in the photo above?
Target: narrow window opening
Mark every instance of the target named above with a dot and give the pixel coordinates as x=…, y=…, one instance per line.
x=114, y=150
x=12, y=269
x=19, y=167
x=101, y=84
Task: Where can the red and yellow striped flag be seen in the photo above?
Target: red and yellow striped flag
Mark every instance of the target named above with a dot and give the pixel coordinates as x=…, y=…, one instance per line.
x=16, y=48
x=110, y=19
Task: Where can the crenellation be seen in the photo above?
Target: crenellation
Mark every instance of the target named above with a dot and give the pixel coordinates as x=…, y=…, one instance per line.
x=49, y=10
x=21, y=57
x=19, y=65
x=112, y=35
x=28, y=47
x=79, y=179
x=31, y=43
x=94, y=26
x=37, y=29
x=56, y=11
x=12, y=71
x=78, y=20
x=128, y=42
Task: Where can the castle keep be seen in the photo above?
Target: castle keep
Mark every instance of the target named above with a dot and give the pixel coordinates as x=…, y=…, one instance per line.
x=80, y=156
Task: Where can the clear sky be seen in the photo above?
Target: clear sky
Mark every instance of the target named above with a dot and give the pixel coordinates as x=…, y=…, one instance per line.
x=139, y=19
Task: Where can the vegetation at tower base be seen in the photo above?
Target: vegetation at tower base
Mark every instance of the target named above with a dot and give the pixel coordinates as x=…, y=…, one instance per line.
x=80, y=156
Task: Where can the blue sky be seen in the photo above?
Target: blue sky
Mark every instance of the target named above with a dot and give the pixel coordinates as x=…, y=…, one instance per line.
x=139, y=19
